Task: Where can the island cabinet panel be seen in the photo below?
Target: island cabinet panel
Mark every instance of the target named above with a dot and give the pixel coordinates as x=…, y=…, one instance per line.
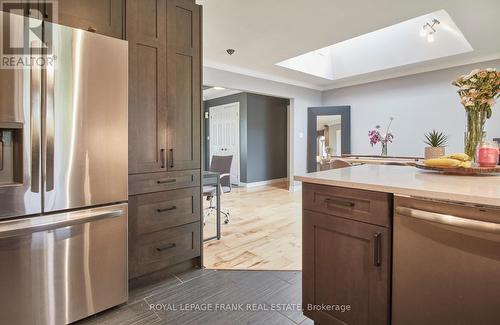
x=366, y=206
x=345, y=262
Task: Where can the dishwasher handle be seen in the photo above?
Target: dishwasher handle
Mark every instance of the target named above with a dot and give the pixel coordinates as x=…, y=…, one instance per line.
x=450, y=220
x=45, y=223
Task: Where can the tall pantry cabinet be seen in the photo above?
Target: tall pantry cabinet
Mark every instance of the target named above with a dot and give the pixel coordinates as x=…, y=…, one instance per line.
x=164, y=136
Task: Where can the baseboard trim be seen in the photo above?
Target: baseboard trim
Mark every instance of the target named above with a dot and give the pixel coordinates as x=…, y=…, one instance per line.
x=263, y=183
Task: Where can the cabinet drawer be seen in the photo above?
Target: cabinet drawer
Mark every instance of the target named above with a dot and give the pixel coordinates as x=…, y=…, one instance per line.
x=165, y=248
x=156, y=182
x=366, y=206
x=162, y=210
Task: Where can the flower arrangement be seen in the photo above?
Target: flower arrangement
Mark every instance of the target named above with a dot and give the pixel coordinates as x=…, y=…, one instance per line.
x=375, y=136
x=478, y=91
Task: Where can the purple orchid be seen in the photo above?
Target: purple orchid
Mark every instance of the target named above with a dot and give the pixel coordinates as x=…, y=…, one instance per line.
x=375, y=136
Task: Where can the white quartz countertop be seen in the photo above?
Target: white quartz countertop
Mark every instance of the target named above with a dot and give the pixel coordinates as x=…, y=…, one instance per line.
x=404, y=180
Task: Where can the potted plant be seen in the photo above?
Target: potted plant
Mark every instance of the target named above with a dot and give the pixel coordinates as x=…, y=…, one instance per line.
x=437, y=142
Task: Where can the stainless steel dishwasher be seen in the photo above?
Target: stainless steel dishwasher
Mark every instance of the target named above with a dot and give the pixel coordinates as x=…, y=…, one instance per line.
x=446, y=263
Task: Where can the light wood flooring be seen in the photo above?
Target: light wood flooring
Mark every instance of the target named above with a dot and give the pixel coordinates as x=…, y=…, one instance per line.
x=236, y=297
x=264, y=232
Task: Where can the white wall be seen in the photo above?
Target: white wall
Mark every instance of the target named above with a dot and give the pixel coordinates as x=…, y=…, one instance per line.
x=418, y=103
x=300, y=100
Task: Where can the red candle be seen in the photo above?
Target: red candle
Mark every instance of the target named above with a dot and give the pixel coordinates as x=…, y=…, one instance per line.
x=487, y=155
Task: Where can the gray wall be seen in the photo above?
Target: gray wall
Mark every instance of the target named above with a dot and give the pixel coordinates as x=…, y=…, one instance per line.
x=263, y=135
x=266, y=138
x=300, y=100
x=419, y=103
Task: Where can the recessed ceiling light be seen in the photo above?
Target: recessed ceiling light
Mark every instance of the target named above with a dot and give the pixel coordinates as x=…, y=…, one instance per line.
x=219, y=88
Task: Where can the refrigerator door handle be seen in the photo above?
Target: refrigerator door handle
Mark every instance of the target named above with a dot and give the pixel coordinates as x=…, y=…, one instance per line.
x=35, y=127
x=28, y=226
x=49, y=127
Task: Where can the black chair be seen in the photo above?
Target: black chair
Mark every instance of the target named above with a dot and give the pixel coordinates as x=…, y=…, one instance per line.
x=221, y=165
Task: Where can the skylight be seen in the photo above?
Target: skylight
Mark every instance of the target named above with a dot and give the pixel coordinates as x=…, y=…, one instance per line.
x=390, y=47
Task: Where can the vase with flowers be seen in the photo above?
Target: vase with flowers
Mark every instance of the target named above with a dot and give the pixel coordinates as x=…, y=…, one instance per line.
x=376, y=136
x=478, y=91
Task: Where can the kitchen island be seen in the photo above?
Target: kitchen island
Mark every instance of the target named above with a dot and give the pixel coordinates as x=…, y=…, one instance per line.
x=399, y=245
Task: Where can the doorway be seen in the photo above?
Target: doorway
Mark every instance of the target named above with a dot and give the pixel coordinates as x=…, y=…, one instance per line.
x=328, y=134
x=225, y=135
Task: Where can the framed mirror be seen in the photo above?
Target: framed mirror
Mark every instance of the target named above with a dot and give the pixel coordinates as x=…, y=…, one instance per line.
x=328, y=134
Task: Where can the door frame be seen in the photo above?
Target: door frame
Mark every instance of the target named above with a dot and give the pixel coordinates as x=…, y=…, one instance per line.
x=345, y=127
x=209, y=144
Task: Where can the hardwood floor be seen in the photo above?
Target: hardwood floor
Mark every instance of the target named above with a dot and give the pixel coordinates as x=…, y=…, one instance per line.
x=264, y=232
x=236, y=297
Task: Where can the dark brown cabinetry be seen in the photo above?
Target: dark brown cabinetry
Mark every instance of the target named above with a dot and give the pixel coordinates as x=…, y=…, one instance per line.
x=164, y=134
x=99, y=16
x=346, y=260
x=147, y=37
x=184, y=80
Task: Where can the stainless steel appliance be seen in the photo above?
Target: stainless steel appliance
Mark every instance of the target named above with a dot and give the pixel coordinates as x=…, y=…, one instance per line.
x=446, y=263
x=63, y=179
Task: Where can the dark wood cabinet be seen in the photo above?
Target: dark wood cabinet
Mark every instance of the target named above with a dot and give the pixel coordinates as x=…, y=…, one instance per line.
x=345, y=261
x=146, y=33
x=184, y=84
x=99, y=16
x=164, y=135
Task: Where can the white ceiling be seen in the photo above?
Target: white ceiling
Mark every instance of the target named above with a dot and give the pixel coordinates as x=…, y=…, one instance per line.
x=265, y=32
x=210, y=92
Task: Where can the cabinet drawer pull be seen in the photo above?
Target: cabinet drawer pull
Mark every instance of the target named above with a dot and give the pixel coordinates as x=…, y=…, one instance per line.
x=166, y=181
x=339, y=203
x=166, y=209
x=92, y=29
x=377, y=249
x=166, y=247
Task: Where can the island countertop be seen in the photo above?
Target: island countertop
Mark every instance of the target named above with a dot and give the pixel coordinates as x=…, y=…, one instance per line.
x=403, y=180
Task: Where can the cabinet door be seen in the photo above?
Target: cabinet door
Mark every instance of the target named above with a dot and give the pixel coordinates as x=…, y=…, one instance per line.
x=100, y=16
x=345, y=262
x=184, y=84
x=146, y=33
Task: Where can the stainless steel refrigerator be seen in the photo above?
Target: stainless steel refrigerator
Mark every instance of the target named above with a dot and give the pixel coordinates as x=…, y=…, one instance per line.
x=63, y=178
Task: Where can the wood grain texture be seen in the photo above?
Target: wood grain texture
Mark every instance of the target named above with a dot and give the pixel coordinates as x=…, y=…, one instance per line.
x=164, y=248
x=156, y=182
x=184, y=84
x=100, y=16
x=339, y=268
x=366, y=206
x=263, y=233
x=152, y=212
x=147, y=36
x=472, y=171
x=214, y=287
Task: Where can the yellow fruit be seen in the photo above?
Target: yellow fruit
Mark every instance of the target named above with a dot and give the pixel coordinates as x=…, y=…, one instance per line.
x=443, y=162
x=466, y=164
x=457, y=156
